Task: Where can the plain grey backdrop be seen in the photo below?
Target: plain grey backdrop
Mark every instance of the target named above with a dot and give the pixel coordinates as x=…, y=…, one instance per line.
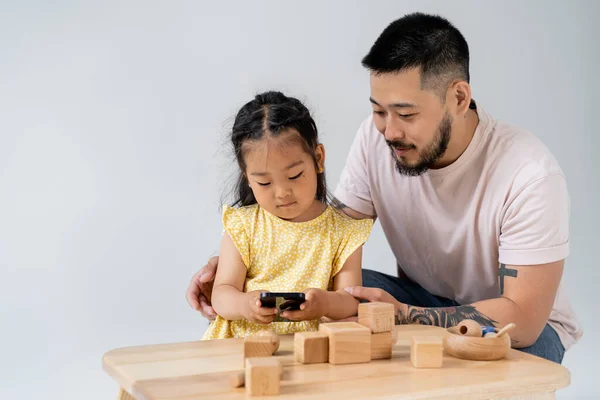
x=113, y=123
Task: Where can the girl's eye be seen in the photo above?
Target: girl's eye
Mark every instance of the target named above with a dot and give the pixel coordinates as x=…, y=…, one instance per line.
x=297, y=176
x=264, y=184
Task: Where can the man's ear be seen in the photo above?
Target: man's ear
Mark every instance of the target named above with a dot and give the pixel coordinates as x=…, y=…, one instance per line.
x=459, y=97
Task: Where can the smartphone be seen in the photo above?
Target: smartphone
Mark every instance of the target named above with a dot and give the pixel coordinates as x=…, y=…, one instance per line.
x=282, y=301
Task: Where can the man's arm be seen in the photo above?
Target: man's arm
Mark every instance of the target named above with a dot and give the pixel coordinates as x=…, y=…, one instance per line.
x=349, y=211
x=527, y=297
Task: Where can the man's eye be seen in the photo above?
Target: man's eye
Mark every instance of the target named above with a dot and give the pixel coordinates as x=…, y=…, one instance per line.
x=297, y=176
x=264, y=184
x=379, y=112
x=406, y=115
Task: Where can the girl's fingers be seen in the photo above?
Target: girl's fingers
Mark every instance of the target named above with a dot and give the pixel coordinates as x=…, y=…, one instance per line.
x=265, y=311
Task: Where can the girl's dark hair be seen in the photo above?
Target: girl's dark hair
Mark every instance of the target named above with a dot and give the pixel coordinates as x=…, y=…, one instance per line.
x=272, y=113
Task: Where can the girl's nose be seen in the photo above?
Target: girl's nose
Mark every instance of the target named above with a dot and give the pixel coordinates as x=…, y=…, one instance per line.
x=283, y=191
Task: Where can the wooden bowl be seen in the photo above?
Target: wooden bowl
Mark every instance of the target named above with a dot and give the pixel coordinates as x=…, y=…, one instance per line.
x=476, y=348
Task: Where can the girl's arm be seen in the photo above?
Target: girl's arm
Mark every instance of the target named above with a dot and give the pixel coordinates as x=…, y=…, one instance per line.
x=228, y=297
x=338, y=304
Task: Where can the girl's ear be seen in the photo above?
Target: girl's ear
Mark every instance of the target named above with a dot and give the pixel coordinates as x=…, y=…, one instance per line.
x=320, y=157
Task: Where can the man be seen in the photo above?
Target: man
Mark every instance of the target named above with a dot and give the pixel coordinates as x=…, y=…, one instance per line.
x=476, y=212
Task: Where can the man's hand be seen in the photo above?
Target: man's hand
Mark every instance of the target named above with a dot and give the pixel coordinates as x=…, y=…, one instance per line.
x=252, y=310
x=379, y=295
x=200, y=290
x=314, y=307
x=371, y=294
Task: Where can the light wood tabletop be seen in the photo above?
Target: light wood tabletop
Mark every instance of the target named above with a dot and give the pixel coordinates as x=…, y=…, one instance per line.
x=202, y=369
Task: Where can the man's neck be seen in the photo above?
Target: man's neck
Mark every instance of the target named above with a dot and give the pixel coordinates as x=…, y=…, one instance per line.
x=462, y=134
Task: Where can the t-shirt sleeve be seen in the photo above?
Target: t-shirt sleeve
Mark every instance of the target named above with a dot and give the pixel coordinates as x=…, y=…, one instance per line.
x=233, y=224
x=355, y=233
x=535, y=226
x=353, y=188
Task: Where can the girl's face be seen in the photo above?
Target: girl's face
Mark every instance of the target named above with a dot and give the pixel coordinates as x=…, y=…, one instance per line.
x=283, y=177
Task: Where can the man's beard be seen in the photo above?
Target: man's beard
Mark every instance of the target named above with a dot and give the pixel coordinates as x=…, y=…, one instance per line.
x=430, y=155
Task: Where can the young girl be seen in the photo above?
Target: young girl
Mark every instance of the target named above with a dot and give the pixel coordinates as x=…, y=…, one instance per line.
x=281, y=235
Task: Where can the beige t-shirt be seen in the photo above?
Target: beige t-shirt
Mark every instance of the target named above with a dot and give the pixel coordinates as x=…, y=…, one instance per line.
x=504, y=201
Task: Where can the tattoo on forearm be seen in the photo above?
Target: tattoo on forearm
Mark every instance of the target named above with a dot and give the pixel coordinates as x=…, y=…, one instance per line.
x=505, y=272
x=443, y=317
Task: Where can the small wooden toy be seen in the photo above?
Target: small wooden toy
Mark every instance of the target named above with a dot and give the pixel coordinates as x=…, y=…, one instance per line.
x=273, y=336
x=237, y=379
x=506, y=329
x=311, y=347
x=377, y=316
x=381, y=345
x=262, y=376
x=258, y=346
x=469, y=327
x=476, y=348
x=487, y=329
x=426, y=352
x=349, y=342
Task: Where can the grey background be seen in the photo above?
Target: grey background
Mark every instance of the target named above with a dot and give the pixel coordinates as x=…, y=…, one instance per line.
x=113, y=118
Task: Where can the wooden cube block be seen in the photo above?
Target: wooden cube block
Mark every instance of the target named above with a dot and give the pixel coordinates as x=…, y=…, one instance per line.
x=258, y=346
x=262, y=376
x=381, y=345
x=426, y=352
x=377, y=316
x=311, y=347
x=349, y=342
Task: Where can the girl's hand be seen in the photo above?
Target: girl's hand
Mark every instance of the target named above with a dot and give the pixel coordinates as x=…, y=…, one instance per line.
x=253, y=311
x=314, y=307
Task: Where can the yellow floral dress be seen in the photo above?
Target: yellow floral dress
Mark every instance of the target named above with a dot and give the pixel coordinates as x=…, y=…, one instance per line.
x=284, y=256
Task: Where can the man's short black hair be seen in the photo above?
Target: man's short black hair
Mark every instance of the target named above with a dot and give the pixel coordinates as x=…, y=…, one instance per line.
x=428, y=42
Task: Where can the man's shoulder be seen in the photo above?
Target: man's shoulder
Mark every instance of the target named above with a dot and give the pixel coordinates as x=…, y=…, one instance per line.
x=511, y=148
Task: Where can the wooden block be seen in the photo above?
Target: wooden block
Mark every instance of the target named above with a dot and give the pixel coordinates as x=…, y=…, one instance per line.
x=377, y=316
x=274, y=337
x=262, y=376
x=237, y=379
x=426, y=351
x=381, y=345
x=311, y=347
x=349, y=342
x=258, y=346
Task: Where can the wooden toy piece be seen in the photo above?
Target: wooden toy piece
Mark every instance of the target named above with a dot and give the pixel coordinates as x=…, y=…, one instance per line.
x=506, y=329
x=258, y=346
x=274, y=338
x=476, y=348
x=490, y=335
x=488, y=329
x=311, y=347
x=349, y=342
x=381, y=345
x=262, y=376
x=426, y=352
x=468, y=327
x=237, y=379
x=377, y=316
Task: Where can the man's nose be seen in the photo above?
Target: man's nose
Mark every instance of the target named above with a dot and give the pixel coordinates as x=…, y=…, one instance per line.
x=393, y=130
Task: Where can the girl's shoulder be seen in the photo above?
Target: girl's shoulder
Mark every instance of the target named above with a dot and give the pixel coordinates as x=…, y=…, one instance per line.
x=346, y=225
x=241, y=211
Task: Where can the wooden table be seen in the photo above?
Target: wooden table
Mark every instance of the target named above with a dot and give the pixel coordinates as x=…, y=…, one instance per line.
x=195, y=370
